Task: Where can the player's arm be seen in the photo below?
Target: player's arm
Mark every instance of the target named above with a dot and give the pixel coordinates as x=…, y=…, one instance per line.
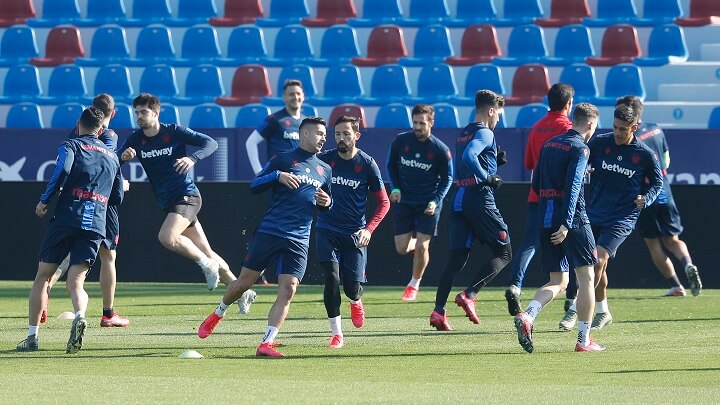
x=483, y=139
x=535, y=176
x=573, y=184
x=377, y=189
x=63, y=166
x=394, y=171
x=655, y=179
x=118, y=189
x=443, y=161
x=206, y=145
x=323, y=197
x=252, y=146
x=127, y=151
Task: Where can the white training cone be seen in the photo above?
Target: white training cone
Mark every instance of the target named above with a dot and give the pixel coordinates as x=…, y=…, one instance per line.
x=191, y=354
x=68, y=316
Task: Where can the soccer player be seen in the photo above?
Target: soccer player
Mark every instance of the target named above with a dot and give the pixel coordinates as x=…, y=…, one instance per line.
x=474, y=214
x=556, y=122
x=300, y=183
x=420, y=169
x=162, y=151
x=659, y=224
x=565, y=236
x=89, y=175
x=342, y=232
x=626, y=179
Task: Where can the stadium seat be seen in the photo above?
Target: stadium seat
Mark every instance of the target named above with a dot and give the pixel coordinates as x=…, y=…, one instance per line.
x=16, y=12
x=208, y=116
x=530, y=85
x=100, y=12
x=238, y=12
x=24, y=115
x=479, y=45
x=658, y=12
x=169, y=114
x=582, y=78
x=66, y=84
x=572, y=45
x=62, y=46
x=22, y=83
x=622, y=80
x=350, y=110
x=714, y=120
x=525, y=45
x=613, y=12
x=18, y=46
x=292, y=46
x=339, y=45
x=425, y=12
x=565, y=12
x=385, y=45
x=203, y=85
x=481, y=76
x=66, y=115
x=200, y=45
x=436, y=84
x=529, y=114
x=246, y=45
x=285, y=12
x=124, y=117
x=193, y=12
x=109, y=45
x=619, y=45
x=702, y=12
x=56, y=12
x=304, y=73
x=251, y=115
x=666, y=45
x=378, y=12
x=159, y=80
x=250, y=84
x=154, y=45
x=519, y=12
x=393, y=116
x=331, y=12
x=308, y=110
x=148, y=12
x=342, y=85
x=432, y=45
x=115, y=80
x=389, y=85
x=446, y=116
x=469, y=12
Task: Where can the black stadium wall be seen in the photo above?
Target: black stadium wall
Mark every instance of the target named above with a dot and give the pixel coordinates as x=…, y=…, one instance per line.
x=230, y=214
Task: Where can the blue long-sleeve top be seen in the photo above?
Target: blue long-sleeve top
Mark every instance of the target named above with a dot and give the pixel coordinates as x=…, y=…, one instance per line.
x=475, y=155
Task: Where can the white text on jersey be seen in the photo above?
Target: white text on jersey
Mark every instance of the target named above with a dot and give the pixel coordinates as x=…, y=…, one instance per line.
x=618, y=169
x=346, y=182
x=415, y=163
x=156, y=152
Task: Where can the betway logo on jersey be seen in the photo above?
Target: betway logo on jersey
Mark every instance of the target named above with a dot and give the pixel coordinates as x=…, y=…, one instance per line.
x=156, y=152
x=346, y=182
x=291, y=135
x=618, y=169
x=304, y=178
x=415, y=163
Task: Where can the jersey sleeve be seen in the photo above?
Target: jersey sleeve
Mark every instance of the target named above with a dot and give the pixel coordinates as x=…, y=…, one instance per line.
x=130, y=142
x=326, y=188
x=483, y=139
x=574, y=183
x=268, y=126
x=267, y=177
x=392, y=164
x=530, y=162
x=63, y=166
x=654, y=177
x=109, y=138
x=117, y=194
x=207, y=146
x=445, y=173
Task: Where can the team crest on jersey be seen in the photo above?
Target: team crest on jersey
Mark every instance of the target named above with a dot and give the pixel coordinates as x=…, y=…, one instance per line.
x=320, y=170
x=288, y=122
x=358, y=168
x=407, y=148
x=166, y=138
x=143, y=142
x=607, y=150
x=430, y=155
x=295, y=163
x=635, y=159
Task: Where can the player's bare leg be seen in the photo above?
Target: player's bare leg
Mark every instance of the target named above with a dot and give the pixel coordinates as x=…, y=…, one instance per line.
x=234, y=291
x=585, y=305
x=287, y=286
x=172, y=238
x=37, y=301
x=108, y=276
x=602, y=312
x=406, y=243
x=679, y=249
x=76, y=288
x=665, y=266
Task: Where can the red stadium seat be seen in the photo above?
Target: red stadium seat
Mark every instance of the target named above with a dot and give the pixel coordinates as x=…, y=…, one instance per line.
x=238, y=12
x=386, y=45
x=63, y=45
x=250, y=84
x=565, y=12
x=331, y=12
x=530, y=85
x=479, y=45
x=14, y=12
x=352, y=110
x=619, y=45
x=702, y=12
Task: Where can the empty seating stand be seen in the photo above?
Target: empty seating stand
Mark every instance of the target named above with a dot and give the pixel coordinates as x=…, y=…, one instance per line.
x=62, y=47
x=238, y=12
x=385, y=45
x=331, y=12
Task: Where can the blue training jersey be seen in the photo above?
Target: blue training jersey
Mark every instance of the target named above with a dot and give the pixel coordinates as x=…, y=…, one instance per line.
x=475, y=155
x=89, y=176
x=291, y=211
x=422, y=171
x=158, y=154
x=352, y=180
x=281, y=132
x=654, y=138
x=107, y=136
x=621, y=173
x=558, y=181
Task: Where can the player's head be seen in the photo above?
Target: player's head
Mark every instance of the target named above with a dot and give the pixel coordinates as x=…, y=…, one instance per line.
x=423, y=119
x=560, y=97
x=293, y=95
x=312, y=134
x=106, y=104
x=625, y=124
x=585, y=119
x=488, y=107
x=347, y=132
x=90, y=121
x=634, y=102
x=147, y=110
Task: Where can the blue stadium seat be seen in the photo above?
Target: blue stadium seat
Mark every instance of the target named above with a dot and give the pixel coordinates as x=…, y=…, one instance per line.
x=169, y=114
x=309, y=110
x=124, y=117
x=666, y=45
x=101, y=12
x=24, y=115
x=518, y=12
x=251, y=115
x=471, y=12
x=148, y=12
x=389, y=85
x=525, y=45
x=154, y=45
x=432, y=45
x=582, y=78
x=339, y=45
x=436, y=84
x=285, y=12
x=446, y=116
x=424, y=12
x=57, y=12
x=658, y=12
x=292, y=46
x=529, y=114
x=714, y=120
x=500, y=124
x=246, y=45
x=67, y=84
x=304, y=73
x=481, y=76
x=109, y=45
x=200, y=45
x=192, y=12
x=378, y=12
x=611, y=12
x=115, y=80
x=342, y=85
x=66, y=115
x=208, y=116
x=159, y=80
x=572, y=45
x=22, y=83
x=18, y=46
x=622, y=80
x=393, y=116
x=203, y=85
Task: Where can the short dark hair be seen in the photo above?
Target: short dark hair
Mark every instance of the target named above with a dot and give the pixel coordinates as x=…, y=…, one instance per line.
x=632, y=101
x=91, y=118
x=419, y=109
x=354, y=122
x=149, y=100
x=105, y=102
x=626, y=113
x=584, y=112
x=292, y=82
x=488, y=99
x=311, y=120
x=559, y=95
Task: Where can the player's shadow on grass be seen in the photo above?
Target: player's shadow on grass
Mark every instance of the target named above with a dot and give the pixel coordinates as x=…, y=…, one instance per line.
x=669, y=370
x=339, y=355
x=667, y=320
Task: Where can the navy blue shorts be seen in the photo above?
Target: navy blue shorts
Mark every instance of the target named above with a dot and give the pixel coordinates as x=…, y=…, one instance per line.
x=288, y=256
x=187, y=206
x=411, y=217
x=577, y=250
x=475, y=217
x=59, y=241
x=611, y=236
x=659, y=220
x=112, y=228
x=340, y=248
